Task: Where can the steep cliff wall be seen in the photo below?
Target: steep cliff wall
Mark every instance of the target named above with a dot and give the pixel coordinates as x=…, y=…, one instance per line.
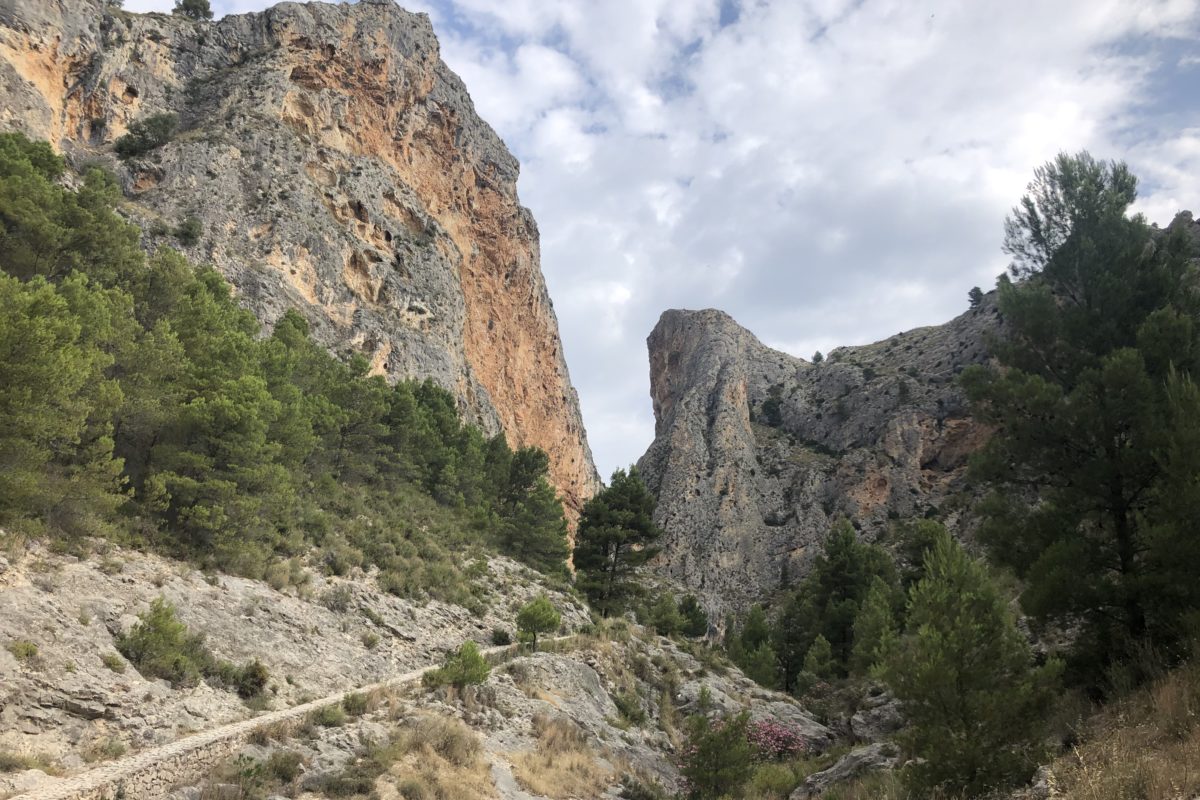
x=757, y=452
x=338, y=167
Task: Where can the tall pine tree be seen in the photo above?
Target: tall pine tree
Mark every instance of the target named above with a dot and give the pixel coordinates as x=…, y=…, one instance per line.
x=616, y=535
x=1102, y=311
x=972, y=697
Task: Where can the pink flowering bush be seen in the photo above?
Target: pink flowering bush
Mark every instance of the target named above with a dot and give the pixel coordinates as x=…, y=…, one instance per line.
x=775, y=741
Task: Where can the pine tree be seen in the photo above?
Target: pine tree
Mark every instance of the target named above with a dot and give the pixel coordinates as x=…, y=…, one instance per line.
x=56, y=459
x=616, y=535
x=1103, y=310
x=531, y=527
x=755, y=631
x=193, y=9
x=974, y=701
x=664, y=615
x=718, y=758
x=538, y=616
x=828, y=600
x=874, y=627
x=818, y=661
x=761, y=666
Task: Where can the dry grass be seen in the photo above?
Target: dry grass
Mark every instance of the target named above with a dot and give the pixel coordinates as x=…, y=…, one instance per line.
x=439, y=759
x=1145, y=747
x=563, y=765
x=11, y=761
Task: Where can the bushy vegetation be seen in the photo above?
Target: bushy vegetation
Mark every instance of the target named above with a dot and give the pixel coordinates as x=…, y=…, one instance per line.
x=160, y=646
x=722, y=756
x=141, y=403
x=146, y=135
x=464, y=667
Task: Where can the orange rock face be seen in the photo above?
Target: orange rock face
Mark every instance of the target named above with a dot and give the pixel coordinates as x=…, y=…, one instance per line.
x=339, y=168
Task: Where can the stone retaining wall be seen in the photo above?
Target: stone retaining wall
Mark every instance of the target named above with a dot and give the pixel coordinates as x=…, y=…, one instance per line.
x=151, y=774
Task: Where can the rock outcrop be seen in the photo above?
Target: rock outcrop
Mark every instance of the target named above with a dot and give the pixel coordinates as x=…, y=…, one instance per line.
x=756, y=452
x=338, y=167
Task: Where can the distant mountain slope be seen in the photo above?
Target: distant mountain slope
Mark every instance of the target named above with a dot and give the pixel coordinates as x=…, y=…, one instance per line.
x=337, y=166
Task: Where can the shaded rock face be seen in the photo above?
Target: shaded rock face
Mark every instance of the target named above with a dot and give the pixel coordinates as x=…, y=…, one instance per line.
x=757, y=453
x=339, y=168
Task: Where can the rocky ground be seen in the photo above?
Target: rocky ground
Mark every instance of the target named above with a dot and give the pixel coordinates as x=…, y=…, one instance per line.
x=68, y=698
x=604, y=714
x=601, y=718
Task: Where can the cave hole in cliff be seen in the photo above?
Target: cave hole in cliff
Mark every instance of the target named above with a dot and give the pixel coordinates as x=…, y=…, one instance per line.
x=130, y=94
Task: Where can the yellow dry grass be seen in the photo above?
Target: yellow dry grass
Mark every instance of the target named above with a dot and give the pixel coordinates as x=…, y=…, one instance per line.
x=1147, y=746
x=562, y=766
x=442, y=760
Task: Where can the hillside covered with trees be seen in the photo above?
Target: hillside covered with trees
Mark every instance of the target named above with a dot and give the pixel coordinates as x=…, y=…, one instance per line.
x=140, y=403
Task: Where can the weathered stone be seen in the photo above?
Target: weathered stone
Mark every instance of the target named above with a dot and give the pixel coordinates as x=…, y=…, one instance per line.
x=757, y=452
x=338, y=168
x=877, y=718
x=880, y=755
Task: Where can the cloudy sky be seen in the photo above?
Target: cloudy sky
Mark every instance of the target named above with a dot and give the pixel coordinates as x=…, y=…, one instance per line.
x=829, y=172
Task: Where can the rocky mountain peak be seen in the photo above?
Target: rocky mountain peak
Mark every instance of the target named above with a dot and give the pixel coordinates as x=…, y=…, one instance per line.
x=336, y=166
x=757, y=452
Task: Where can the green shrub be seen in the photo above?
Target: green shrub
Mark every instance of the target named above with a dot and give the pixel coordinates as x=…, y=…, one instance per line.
x=160, y=646
x=23, y=649
x=355, y=704
x=251, y=679
x=147, y=135
x=113, y=661
x=629, y=707
x=338, y=599
x=331, y=716
x=465, y=667
x=19, y=762
x=284, y=765
x=501, y=637
x=188, y=233
x=637, y=788
x=370, y=640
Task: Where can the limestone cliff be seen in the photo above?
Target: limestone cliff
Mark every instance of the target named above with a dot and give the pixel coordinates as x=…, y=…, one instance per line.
x=757, y=452
x=338, y=167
